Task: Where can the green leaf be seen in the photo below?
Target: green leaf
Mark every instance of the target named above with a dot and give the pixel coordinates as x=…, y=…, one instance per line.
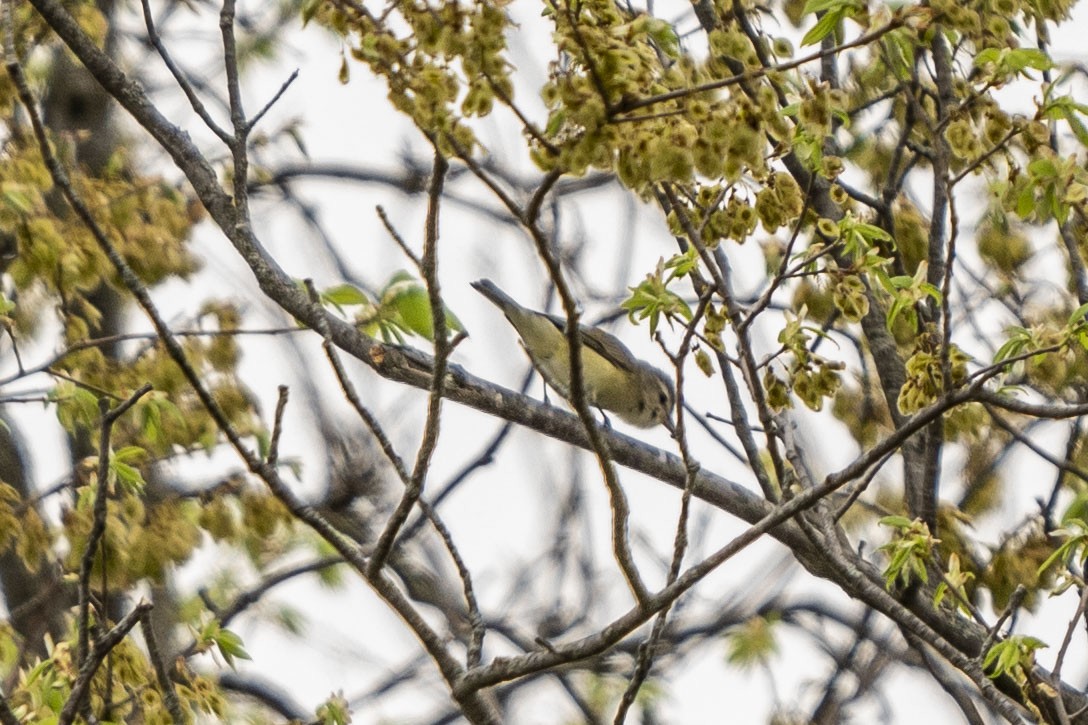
x=334, y=711
x=1011, y=656
x=987, y=56
x=1042, y=168
x=555, y=122
x=752, y=642
x=664, y=35
x=681, y=265
x=230, y=646
x=344, y=295
x=264, y=443
x=1077, y=511
x=1019, y=59
x=413, y=307
x=153, y=408
x=931, y=290
x=406, y=304
x=817, y=6
x=129, y=453
x=1066, y=552
x=1025, y=202
x=651, y=299
x=908, y=551
x=77, y=408
x=955, y=579
x=151, y=422
x=128, y=476
x=871, y=232
x=1078, y=128
x=823, y=27
x=899, y=50
x=1011, y=348
x=896, y=522
x=901, y=281
x=1078, y=315
x=1067, y=109
x=309, y=9
x=898, y=307
x=16, y=197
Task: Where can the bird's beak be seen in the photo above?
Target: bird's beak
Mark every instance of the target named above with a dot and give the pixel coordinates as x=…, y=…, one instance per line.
x=668, y=423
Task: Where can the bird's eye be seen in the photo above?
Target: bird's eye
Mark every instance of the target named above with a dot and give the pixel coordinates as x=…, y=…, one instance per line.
x=662, y=398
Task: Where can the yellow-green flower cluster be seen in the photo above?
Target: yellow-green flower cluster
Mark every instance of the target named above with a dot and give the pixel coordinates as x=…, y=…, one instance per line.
x=140, y=542
x=60, y=256
x=812, y=377
x=851, y=297
x=779, y=202
x=996, y=23
x=448, y=64
x=924, y=376
x=617, y=102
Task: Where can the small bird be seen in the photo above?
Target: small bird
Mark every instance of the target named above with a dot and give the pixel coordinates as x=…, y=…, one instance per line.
x=613, y=378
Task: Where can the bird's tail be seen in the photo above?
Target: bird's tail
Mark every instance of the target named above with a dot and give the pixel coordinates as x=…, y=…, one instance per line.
x=492, y=292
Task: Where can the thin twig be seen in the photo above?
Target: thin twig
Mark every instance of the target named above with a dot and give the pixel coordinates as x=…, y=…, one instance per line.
x=1063, y=466
x=398, y=238
x=348, y=389
x=248, y=598
x=238, y=142
x=748, y=367
x=759, y=72
x=484, y=458
x=166, y=685
x=618, y=500
x=183, y=82
x=992, y=634
x=474, y=651
x=429, y=268
x=87, y=668
x=268, y=106
x=277, y=427
x=98, y=525
x=648, y=648
x=860, y=488
x=99, y=391
x=950, y=684
x=108, y=340
x=1071, y=444
x=1056, y=673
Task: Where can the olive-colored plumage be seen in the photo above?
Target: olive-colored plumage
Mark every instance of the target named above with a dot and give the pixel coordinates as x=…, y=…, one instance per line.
x=613, y=378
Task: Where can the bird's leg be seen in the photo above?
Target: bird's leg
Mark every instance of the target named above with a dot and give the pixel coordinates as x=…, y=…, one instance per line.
x=607, y=422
